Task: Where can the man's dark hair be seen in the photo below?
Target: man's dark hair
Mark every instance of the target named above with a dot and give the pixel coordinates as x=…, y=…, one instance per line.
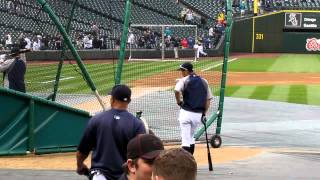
x=125, y=166
x=175, y=164
x=135, y=163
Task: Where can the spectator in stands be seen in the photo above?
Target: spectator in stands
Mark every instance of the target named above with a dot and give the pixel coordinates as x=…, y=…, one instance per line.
x=141, y=42
x=183, y=15
x=168, y=32
x=210, y=33
x=18, y=10
x=131, y=39
x=184, y=43
x=203, y=21
x=141, y=152
x=58, y=42
x=176, y=43
x=10, y=6
x=222, y=3
x=167, y=42
x=35, y=44
x=95, y=30
x=189, y=16
x=29, y=43
x=22, y=42
x=8, y=39
x=79, y=42
x=96, y=43
x=206, y=43
x=104, y=42
x=267, y=5
x=153, y=39
x=146, y=34
x=191, y=42
x=118, y=43
x=260, y=10
x=44, y=42
x=220, y=28
x=87, y=42
x=221, y=17
x=174, y=164
x=278, y=3
x=242, y=8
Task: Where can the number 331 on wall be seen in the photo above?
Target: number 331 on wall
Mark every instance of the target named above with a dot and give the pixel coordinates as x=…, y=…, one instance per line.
x=259, y=36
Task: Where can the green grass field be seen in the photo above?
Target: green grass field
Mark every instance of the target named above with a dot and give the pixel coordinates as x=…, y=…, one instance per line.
x=40, y=78
x=290, y=63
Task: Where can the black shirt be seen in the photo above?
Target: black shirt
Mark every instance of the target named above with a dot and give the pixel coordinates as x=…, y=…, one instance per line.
x=123, y=177
x=107, y=135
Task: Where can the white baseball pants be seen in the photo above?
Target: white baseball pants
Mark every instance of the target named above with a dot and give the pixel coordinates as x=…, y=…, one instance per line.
x=189, y=123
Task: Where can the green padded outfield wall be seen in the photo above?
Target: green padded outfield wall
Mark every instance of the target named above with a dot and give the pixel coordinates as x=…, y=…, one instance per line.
x=280, y=32
x=33, y=124
x=298, y=42
x=241, y=36
x=267, y=35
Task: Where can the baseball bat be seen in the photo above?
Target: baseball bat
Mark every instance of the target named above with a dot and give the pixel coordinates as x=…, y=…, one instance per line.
x=146, y=126
x=9, y=55
x=144, y=121
x=204, y=120
x=21, y=51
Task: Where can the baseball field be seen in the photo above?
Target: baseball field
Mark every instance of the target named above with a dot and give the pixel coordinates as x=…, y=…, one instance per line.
x=289, y=78
x=293, y=78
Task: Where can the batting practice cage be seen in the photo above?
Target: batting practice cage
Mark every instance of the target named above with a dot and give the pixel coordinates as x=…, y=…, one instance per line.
x=96, y=44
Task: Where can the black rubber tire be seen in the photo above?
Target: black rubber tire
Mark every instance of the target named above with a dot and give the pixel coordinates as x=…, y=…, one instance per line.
x=215, y=141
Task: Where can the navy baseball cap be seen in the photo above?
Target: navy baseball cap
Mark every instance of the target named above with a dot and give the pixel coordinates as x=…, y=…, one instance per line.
x=186, y=67
x=144, y=146
x=121, y=92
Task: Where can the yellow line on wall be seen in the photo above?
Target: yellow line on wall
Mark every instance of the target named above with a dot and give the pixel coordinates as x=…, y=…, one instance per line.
x=286, y=11
x=253, y=33
x=297, y=11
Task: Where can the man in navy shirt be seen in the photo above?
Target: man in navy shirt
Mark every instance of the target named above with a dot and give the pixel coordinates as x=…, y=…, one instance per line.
x=107, y=135
x=196, y=96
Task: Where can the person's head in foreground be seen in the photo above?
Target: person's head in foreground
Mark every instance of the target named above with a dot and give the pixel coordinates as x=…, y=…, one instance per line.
x=141, y=152
x=120, y=96
x=186, y=69
x=174, y=164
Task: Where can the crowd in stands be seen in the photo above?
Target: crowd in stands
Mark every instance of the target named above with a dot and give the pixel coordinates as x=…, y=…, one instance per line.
x=209, y=34
x=145, y=38
x=187, y=15
x=245, y=7
x=151, y=39
x=37, y=42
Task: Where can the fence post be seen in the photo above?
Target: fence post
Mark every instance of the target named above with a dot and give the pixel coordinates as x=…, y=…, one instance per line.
x=31, y=126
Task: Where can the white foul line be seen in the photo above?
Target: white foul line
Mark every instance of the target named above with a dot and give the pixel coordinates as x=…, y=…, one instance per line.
x=66, y=78
x=217, y=65
x=46, y=82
